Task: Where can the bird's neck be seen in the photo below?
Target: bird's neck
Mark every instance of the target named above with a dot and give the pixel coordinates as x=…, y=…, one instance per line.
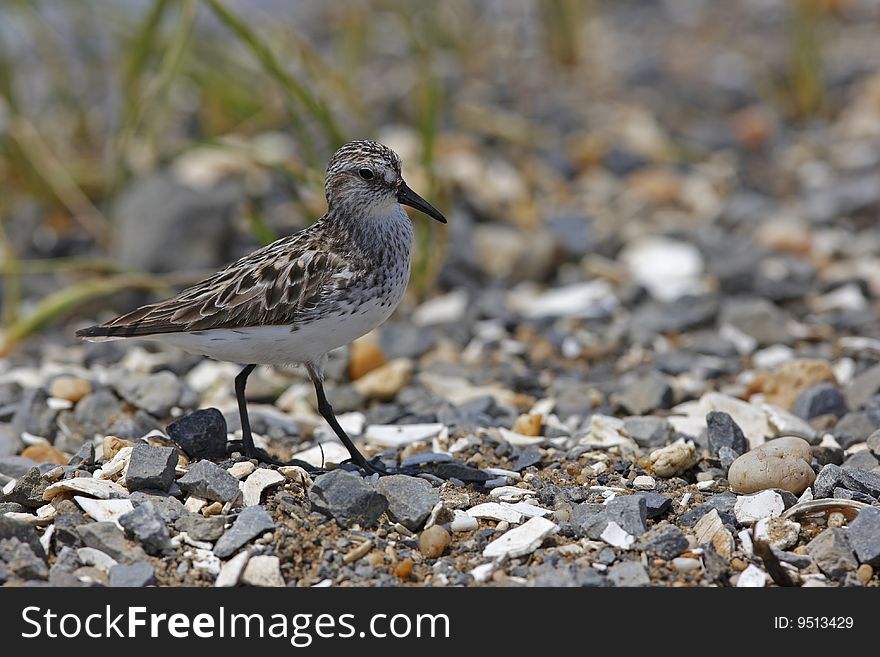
x=375, y=232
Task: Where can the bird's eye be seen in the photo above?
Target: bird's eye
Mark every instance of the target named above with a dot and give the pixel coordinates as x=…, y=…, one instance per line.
x=366, y=174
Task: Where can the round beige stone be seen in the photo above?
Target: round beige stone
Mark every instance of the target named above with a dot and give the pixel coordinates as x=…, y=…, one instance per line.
x=781, y=463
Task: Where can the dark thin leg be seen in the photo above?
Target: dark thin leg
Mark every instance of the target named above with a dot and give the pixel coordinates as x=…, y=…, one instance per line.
x=250, y=450
x=326, y=411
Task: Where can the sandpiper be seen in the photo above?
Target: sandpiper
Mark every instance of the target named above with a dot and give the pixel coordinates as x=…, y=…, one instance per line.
x=295, y=300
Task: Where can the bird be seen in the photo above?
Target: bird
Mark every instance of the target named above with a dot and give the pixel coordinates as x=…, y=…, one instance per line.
x=295, y=300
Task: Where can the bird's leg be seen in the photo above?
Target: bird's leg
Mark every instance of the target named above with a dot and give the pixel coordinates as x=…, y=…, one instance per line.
x=326, y=411
x=250, y=450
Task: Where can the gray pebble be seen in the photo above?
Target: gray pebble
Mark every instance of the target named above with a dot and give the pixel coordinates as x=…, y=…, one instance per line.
x=133, y=575
x=209, y=480
x=410, y=499
x=832, y=553
x=144, y=525
x=864, y=536
x=250, y=523
x=202, y=434
x=151, y=466
x=347, y=498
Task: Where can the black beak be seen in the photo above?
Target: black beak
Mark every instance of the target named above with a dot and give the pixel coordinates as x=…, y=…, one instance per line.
x=406, y=196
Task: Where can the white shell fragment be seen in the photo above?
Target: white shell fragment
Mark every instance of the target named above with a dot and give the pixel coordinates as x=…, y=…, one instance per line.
x=495, y=511
x=259, y=481
x=751, y=508
x=398, y=435
x=231, y=571
x=100, y=488
x=104, y=510
x=521, y=540
x=615, y=536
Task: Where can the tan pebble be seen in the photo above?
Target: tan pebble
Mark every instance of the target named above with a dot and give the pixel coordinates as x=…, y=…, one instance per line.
x=383, y=383
x=673, y=459
x=212, y=509
x=781, y=463
x=44, y=454
x=836, y=519
x=528, y=425
x=783, y=387
x=738, y=564
x=865, y=573
x=364, y=357
x=404, y=569
x=71, y=388
x=112, y=445
x=375, y=558
x=433, y=541
x=801, y=550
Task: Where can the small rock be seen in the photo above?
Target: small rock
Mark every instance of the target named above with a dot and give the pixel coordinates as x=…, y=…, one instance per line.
x=151, y=466
x=783, y=387
x=250, y=523
x=200, y=527
x=410, y=500
x=133, y=575
x=629, y=573
x=231, y=571
x=44, y=454
x=71, y=388
x=497, y=512
x=865, y=573
x=616, y=536
x=646, y=394
x=364, y=356
x=347, y=498
x=263, y=570
x=644, y=482
x=521, y=540
x=726, y=439
x=821, y=399
x=154, y=393
x=673, y=459
x=629, y=512
x=13, y=529
x=202, y=434
x=589, y=520
x=758, y=318
x=242, y=469
x=873, y=443
x=752, y=577
x=28, y=490
x=648, y=431
x=434, y=541
x=751, y=508
x=861, y=460
x=781, y=463
x=832, y=553
x=21, y=560
x=109, y=539
x=528, y=425
x=707, y=526
x=146, y=526
x=864, y=536
x=462, y=522
x=778, y=532
x=664, y=540
x=383, y=383
x=209, y=480
x=259, y=481
x=656, y=504
x=863, y=387
x=854, y=428
x=686, y=564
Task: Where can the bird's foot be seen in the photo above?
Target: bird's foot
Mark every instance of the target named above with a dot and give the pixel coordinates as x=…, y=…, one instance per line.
x=263, y=456
x=370, y=467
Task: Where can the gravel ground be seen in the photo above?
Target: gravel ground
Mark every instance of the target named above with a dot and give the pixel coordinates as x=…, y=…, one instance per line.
x=655, y=361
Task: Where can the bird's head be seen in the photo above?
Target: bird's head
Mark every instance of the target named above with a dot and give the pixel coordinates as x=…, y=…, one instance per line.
x=364, y=177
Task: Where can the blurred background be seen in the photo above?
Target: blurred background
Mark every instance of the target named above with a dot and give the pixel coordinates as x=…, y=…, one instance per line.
x=145, y=143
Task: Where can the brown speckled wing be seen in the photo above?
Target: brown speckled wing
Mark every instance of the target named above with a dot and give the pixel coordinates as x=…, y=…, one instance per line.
x=277, y=285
